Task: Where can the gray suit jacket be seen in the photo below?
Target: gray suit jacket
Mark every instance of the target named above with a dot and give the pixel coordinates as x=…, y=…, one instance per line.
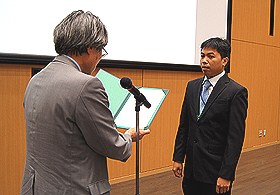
x=69, y=133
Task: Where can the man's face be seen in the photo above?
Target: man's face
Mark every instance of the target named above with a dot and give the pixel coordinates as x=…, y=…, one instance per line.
x=211, y=62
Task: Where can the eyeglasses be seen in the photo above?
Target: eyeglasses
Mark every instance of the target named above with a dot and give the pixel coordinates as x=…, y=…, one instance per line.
x=104, y=53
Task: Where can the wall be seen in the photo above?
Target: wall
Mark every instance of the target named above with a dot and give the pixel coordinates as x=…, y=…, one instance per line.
x=255, y=64
x=13, y=79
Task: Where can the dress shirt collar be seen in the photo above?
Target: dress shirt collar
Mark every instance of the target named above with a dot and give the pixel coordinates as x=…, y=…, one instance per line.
x=214, y=79
x=73, y=61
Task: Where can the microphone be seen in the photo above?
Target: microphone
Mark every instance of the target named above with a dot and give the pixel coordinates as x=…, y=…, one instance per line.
x=126, y=83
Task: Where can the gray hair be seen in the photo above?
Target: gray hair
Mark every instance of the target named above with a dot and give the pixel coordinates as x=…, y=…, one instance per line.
x=78, y=31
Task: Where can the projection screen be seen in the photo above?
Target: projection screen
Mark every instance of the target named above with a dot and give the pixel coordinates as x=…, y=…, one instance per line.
x=149, y=31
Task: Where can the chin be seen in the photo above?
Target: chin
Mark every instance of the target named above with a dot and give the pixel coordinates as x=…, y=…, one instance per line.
x=208, y=75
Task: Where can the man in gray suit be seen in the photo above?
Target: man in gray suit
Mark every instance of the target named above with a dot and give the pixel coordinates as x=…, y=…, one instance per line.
x=69, y=127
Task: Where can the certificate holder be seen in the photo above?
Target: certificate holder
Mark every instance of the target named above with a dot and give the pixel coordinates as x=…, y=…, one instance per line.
x=122, y=103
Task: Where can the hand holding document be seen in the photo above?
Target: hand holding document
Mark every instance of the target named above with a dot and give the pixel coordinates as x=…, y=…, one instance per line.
x=132, y=132
x=122, y=103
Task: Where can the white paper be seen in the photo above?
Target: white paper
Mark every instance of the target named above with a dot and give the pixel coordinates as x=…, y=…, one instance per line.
x=127, y=116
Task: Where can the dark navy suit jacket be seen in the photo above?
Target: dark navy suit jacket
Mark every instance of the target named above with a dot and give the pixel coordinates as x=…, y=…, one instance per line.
x=211, y=144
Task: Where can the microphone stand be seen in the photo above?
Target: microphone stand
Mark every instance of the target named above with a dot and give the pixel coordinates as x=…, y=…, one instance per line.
x=140, y=99
x=137, y=109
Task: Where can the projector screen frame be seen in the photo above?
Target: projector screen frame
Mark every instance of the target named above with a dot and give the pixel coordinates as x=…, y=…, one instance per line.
x=13, y=58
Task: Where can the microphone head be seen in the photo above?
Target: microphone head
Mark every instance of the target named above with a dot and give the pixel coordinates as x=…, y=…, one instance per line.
x=126, y=83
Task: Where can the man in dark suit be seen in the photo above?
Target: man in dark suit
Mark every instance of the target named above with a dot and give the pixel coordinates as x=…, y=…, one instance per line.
x=212, y=125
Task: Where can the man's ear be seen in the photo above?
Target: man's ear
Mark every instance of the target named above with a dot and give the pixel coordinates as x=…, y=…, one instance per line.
x=225, y=61
x=89, y=50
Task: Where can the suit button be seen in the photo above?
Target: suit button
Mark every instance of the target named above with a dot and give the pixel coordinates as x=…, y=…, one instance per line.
x=195, y=140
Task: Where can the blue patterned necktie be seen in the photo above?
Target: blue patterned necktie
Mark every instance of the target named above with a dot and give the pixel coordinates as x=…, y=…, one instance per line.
x=204, y=95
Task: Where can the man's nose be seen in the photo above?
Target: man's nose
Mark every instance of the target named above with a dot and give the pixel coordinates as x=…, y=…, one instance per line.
x=204, y=60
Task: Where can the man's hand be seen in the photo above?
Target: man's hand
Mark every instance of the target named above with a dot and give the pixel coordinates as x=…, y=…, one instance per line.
x=132, y=132
x=177, y=169
x=222, y=185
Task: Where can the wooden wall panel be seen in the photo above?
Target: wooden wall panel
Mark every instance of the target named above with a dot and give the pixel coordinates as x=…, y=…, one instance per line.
x=256, y=67
x=13, y=79
x=157, y=148
x=255, y=64
x=251, y=22
x=117, y=169
x=249, y=63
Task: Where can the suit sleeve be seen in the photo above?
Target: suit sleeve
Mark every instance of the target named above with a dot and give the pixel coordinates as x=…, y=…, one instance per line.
x=182, y=133
x=95, y=120
x=236, y=133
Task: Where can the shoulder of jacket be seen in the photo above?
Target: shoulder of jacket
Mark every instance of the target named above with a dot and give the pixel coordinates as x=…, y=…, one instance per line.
x=236, y=84
x=195, y=81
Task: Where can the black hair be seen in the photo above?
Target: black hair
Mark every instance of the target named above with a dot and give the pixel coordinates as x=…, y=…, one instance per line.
x=222, y=46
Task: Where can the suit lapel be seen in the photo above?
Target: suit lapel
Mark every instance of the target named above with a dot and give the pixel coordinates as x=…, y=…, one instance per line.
x=219, y=87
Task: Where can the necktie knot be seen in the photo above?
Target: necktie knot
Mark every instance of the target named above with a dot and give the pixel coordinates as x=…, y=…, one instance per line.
x=207, y=84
